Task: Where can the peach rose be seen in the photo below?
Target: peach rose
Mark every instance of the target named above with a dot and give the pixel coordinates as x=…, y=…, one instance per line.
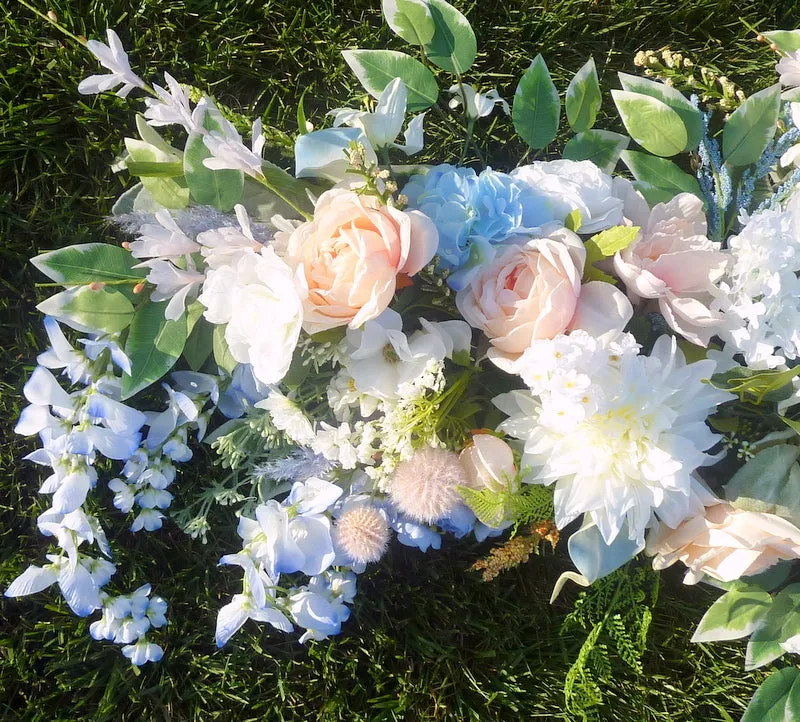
x=726, y=543
x=533, y=291
x=489, y=463
x=351, y=253
x=673, y=261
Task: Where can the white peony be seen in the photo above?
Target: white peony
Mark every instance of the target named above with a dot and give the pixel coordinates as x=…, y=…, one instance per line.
x=618, y=433
x=575, y=185
x=261, y=301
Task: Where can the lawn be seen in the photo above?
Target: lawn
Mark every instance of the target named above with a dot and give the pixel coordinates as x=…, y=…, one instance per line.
x=427, y=640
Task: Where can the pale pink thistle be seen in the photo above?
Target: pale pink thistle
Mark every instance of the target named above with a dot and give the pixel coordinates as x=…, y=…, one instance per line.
x=363, y=534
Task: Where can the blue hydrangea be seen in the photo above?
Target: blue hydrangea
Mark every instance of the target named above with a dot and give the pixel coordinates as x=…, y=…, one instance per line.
x=473, y=213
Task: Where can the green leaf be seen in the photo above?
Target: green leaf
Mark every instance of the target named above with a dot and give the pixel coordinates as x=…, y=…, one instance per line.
x=751, y=127
x=614, y=239
x=755, y=386
x=777, y=699
x=787, y=40
x=222, y=354
x=289, y=187
x=89, y=311
x=660, y=173
x=692, y=121
x=537, y=106
x=652, y=194
x=88, y=262
x=219, y=188
x=154, y=345
x=573, y=221
x=412, y=20
x=792, y=424
x=375, y=69
x=651, y=122
x=583, y=98
x=199, y=345
x=734, y=615
x=602, y=147
x=769, y=482
x=453, y=46
x=148, y=169
x=151, y=136
x=778, y=625
x=169, y=192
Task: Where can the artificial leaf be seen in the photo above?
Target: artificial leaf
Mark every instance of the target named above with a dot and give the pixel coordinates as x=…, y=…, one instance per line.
x=199, y=345
x=779, y=624
x=573, y=221
x=751, y=127
x=222, y=354
x=602, y=147
x=169, y=192
x=412, y=20
x=792, y=424
x=735, y=614
x=755, y=386
x=537, y=106
x=769, y=482
x=583, y=98
x=154, y=344
x=777, y=699
x=787, y=41
x=289, y=189
x=651, y=122
x=660, y=173
x=375, y=69
x=453, y=46
x=87, y=263
x=614, y=239
x=83, y=309
x=672, y=97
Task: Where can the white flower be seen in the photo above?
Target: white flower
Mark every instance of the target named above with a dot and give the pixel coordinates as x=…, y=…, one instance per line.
x=164, y=240
x=288, y=417
x=384, y=125
x=229, y=152
x=572, y=185
x=764, y=289
x=336, y=444
x=261, y=300
x=223, y=246
x=173, y=108
x=623, y=446
x=476, y=105
x=113, y=58
x=173, y=283
x=788, y=68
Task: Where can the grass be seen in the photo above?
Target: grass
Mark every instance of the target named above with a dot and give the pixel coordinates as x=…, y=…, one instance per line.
x=427, y=640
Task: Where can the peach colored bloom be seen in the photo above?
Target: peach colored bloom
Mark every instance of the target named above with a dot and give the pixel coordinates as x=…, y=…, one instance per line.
x=726, y=543
x=673, y=261
x=533, y=291
x=351, y=253
x=489, y=463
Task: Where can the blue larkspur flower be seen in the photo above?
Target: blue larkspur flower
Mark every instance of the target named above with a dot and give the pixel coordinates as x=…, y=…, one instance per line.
x=473, y=213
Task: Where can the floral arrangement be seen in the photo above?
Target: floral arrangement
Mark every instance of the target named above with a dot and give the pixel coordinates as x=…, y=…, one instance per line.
x=382, y=352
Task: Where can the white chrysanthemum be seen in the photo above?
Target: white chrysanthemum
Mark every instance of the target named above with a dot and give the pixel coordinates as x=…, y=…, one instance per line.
x=288, y=417
x=619, y=433
x=764, y=289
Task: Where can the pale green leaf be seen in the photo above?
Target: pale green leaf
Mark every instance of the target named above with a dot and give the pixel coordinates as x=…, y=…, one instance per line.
x=781, y=622
x=614, y=239
x=777, y=699
x=583, y=98
x=751, y=127
x=660, y=173
x=453, y=46
x=90, y=311
x=375, y=69
x=651, y=122
x=87, y=263
x=219, y=188
x=787, y=40
x=222, y=354
x=537, y=106
x=735, y=614
x=169, y=192
x=412, y=20
x=154, y=344
x=672, y=97
x=602, y=147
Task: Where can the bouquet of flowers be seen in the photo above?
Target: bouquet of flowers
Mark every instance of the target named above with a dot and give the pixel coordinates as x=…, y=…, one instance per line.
x=380, y=352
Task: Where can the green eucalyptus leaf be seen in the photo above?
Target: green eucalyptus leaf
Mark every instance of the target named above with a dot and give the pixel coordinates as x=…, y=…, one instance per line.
x=453, y=46
x=83, y=309
x=375, y=69
x=734, y=615
x=537, y=106
x=777, y=699
x=672, y=97
x=751, y=127
x=87, y=263
x=412, y=20
x=769, y=482
x=583, y=99
x=154, y=344
x=651, y=122
x=660, y=173
x=602, y=147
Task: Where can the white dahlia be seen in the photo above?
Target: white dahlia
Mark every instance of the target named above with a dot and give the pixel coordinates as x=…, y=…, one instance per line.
x=618, y=433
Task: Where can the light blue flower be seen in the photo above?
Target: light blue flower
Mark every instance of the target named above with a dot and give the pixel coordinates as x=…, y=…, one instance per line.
x=142, y=652
x=468, y=209
x=412, y=534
